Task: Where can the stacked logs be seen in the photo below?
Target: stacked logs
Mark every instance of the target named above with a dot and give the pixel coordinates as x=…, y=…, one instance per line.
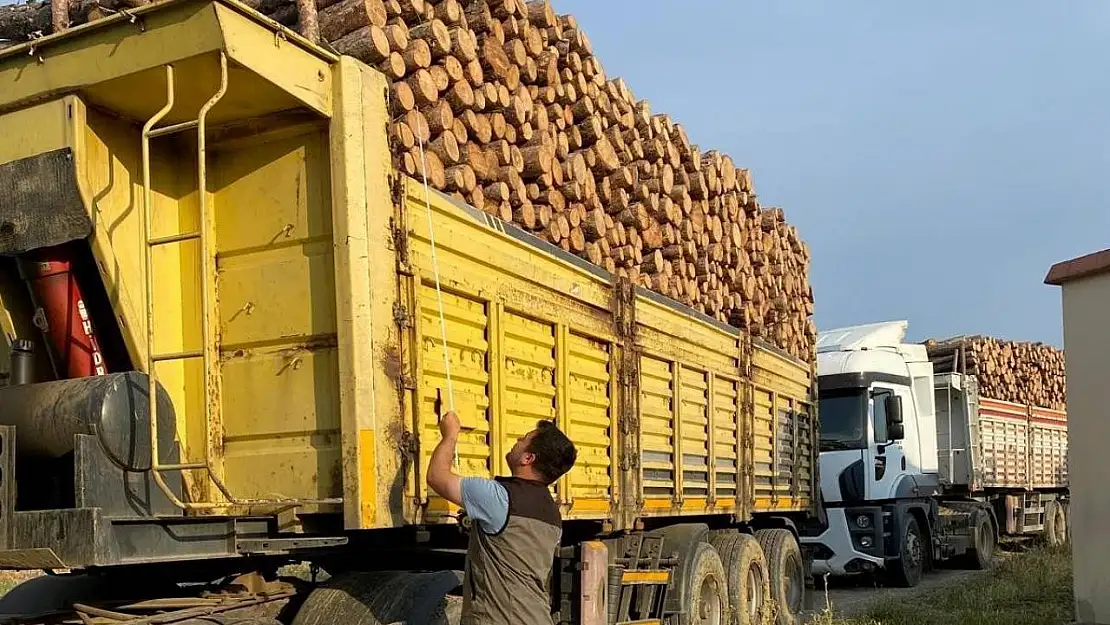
x=502, y=104
x=1024, y=373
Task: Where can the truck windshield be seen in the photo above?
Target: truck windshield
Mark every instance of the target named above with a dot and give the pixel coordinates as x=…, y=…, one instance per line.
x=843, y=414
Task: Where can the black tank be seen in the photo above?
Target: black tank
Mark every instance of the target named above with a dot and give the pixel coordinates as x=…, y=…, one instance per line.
x=114, y=408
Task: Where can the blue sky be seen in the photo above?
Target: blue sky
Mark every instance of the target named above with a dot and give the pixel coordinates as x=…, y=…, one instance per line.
x=938, y=157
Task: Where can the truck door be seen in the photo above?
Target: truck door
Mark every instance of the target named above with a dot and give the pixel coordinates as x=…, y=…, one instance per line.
x=883, y=459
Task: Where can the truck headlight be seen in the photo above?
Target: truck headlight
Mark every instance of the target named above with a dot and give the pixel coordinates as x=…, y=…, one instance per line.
x=863, y=521
x=865, y=542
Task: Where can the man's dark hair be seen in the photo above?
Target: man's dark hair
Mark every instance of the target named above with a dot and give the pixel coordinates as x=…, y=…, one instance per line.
x=554, y=452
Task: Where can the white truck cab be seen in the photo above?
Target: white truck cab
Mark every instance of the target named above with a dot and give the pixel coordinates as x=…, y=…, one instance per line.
x=878, y=459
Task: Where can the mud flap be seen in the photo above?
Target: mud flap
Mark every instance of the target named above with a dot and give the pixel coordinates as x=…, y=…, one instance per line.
x=40, y=203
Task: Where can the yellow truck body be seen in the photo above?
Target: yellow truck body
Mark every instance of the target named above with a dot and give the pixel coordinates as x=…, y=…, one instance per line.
x=312, y=297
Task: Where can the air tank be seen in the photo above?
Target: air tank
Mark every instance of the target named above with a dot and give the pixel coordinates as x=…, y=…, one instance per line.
x=112, y=407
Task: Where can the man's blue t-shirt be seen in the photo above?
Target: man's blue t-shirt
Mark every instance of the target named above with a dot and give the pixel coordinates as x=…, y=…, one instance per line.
x=487, y=502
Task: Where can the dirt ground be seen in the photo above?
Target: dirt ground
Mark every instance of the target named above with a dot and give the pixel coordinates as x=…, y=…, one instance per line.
x=855, y=597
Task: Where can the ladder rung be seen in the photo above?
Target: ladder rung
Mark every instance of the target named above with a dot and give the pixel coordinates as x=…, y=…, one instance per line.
x=173, y=129
x=196, y=353
x=174, y=238
x=182, y=467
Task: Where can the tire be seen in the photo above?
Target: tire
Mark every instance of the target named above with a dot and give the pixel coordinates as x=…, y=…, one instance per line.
x=380, y=598
x=1055, y=524
x=749, y=587
x=907, y=570
x=786, y=573
x=707, y=588
x=983, y=540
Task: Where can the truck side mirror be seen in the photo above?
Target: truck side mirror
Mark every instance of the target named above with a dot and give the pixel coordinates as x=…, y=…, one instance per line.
x=893, y=405
x=894, y=427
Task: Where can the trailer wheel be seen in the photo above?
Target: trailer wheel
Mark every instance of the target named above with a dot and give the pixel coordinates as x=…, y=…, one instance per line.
x=981, y=553
x=707, y=587
x=1055, y=524
x=786, y=571
x=906, y=571
x=380, y=598
x=749, y=589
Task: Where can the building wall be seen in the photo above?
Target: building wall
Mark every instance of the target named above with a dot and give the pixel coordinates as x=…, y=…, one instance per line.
x=1087, y=344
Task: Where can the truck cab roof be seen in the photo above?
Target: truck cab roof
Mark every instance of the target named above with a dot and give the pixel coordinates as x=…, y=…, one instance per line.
x=870, y=348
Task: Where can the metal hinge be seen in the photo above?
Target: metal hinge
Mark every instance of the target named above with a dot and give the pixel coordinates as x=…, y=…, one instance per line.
x=397, y=189
x=629, y=375
x=410, y=446
x=630, y=462
x=401, y=315
x=399, y=237
x=629, y=423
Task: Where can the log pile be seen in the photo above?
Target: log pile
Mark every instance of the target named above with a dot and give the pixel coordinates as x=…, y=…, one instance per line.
x=503, y=104
x=1024, y=373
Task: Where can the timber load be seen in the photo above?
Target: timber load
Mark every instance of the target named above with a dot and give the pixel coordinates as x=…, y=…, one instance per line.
x=503, y=104
x=1019, y=372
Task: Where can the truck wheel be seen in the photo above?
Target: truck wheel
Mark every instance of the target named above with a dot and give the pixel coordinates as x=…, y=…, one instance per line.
x=906, y=571
x=749, y=590
x=707, y=587
x=981, y=553
x=786, y=571
x=380, y=598
x=1055, y=524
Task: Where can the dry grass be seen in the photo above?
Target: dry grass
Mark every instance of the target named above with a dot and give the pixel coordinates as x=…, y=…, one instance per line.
x=1034, y=588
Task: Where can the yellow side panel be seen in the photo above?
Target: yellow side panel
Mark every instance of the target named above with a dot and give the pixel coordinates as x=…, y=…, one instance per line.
x=806, y=441
x=774, y=371
x=280, y=399
x=695, y=433
x=590, y=426
x=529, y=338
x=657, y=429
x=528, y=375
x=783, y=432
x=726, y=438
x=468, y=351
x=764, y=443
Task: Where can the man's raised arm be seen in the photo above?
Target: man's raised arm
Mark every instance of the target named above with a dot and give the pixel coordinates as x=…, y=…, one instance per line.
x=441, y=477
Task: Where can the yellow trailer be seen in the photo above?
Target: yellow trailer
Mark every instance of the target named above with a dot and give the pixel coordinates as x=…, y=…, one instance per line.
x=222, y=190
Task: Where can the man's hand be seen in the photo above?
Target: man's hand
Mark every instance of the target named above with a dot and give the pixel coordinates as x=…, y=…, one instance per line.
x=449, y=425
x=441, y=478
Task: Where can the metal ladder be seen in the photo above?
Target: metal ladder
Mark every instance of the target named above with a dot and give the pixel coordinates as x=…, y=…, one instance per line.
x=157, y=467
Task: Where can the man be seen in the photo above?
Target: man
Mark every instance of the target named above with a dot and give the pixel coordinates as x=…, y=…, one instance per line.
x=517, y=525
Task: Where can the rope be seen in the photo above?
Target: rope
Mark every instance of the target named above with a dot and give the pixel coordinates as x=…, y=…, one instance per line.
x=439, y=292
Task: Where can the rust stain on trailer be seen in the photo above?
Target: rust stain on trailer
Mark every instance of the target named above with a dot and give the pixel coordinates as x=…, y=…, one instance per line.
x=391, y=363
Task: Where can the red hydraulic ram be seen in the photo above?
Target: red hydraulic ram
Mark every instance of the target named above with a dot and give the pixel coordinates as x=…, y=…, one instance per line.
x=60, y=312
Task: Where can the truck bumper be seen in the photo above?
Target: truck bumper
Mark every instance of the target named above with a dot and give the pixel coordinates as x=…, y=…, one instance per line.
x=853, y=542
